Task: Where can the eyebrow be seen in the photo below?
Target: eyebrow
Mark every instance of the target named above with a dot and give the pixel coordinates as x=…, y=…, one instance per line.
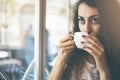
x=94, y=16
x=89, y=17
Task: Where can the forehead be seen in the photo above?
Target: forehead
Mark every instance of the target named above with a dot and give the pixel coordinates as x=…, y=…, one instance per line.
x=87, y=11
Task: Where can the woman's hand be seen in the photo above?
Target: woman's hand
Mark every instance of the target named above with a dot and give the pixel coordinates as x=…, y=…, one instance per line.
x=96, y=49
x=66, y=45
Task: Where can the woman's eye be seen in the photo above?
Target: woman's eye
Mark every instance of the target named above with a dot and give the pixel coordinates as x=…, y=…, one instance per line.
x=95, y=21
x=81, y=20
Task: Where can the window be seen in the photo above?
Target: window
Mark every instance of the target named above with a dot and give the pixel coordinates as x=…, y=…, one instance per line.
x=17, y=23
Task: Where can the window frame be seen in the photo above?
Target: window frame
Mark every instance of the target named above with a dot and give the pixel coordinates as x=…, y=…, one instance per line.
x=40, y=39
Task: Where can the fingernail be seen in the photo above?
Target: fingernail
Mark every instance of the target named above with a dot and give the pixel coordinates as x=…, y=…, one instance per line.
x=84, y=36
x=70, y=33
x=84, y=47
x=82, y=42
x=88, y=32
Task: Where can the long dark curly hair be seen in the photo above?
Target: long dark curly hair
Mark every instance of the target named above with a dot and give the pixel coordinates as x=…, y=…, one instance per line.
x=77, y=58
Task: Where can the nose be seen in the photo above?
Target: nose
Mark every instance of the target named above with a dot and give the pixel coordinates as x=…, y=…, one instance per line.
x=87, y=27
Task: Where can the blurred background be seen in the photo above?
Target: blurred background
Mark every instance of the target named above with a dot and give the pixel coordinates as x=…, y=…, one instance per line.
x=17, y=19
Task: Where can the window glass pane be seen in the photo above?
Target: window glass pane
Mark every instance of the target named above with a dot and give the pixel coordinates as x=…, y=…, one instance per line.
x=56, y=27
x=17, y=19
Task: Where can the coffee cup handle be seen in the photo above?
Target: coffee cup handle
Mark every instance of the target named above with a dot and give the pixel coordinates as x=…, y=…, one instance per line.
x=73, y=37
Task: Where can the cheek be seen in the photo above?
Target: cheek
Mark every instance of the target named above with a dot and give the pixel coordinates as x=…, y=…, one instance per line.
x=81, y=28
x=96, y=29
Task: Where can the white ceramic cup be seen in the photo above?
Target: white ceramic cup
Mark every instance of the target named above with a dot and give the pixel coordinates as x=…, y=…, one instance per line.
x=78, y=39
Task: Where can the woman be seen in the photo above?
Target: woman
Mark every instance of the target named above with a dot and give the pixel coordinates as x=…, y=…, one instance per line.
x=91, y=62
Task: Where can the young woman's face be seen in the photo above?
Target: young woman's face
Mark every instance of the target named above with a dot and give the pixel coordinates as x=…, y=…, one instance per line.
x=88, y=19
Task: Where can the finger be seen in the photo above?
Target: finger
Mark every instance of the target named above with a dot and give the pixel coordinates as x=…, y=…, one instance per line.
x=69, y=47
x=65, y=44
x=70, y=32
x=92, y=47
x=66, y=38
x=89, y=50
x=93, y=50
x=95, y=42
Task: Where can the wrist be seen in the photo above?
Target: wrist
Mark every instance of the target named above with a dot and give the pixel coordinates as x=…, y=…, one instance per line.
x=101, y=64
x=103, y=69
x=105, y=75
x=61, y=58
x=62, y=55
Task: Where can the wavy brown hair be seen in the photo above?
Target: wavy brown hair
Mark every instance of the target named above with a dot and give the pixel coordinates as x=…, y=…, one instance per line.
x=78, y=57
